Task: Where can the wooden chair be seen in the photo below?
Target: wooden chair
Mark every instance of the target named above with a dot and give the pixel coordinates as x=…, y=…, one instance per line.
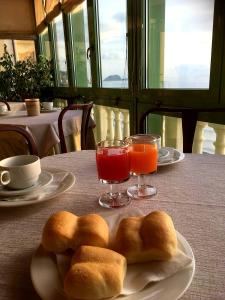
x=189, y=120
x=6, y=103
x=86, y=108
x=16, y=140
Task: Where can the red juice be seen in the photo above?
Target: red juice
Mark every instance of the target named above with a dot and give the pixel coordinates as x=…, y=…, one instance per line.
x=113, y=164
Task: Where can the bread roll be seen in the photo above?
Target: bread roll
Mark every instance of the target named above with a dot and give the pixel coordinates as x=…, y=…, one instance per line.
x=65, y=230
x=142, y=239
x=95, y=273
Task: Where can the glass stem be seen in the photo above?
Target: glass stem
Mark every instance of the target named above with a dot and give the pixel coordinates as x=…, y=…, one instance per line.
x=141, y=181
x=112, y=191
x=141, y=186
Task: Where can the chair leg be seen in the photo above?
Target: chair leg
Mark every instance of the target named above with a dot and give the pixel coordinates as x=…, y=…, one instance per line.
x=189, y=121
x=90, y=141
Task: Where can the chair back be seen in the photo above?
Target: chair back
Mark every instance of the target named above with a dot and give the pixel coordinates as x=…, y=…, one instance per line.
x=189, y=120
x=86, y=111
x=16, y=140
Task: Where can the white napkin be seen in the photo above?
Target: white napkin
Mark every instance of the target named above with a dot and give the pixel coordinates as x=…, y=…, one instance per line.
x=138, y=275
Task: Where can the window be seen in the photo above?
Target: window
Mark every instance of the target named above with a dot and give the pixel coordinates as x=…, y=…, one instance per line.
x=80, y=41
x=20, y=49
x=45, y=44
x=178, y=43
x=175, y=49
x=9, y=46
x=61, y=62
x=113, y=45
x=24, y=50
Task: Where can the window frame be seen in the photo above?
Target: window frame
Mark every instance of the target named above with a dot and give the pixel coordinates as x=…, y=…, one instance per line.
x=136, y=98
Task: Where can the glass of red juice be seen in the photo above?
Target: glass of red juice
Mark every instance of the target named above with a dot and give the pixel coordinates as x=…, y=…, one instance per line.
x=113, y=166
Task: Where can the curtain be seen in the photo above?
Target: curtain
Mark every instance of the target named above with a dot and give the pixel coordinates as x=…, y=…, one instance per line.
x=40, y=16
x=17, y=19
x=52, y=9
x=69, y=5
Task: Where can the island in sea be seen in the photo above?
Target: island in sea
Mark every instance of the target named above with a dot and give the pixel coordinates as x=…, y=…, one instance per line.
x=113, y=78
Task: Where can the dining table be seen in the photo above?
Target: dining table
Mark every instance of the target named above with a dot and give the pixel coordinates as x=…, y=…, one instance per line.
x=191, y=191
x=44, y=128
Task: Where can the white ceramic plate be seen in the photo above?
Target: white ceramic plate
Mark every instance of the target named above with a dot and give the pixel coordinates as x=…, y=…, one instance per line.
x=44, y=179
x=46, y=281
x=62, y=181
x=174, y=157
x=162, y=153
x=49, y=110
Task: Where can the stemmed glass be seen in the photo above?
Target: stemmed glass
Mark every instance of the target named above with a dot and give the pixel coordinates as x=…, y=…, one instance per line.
x=113, y=166
x=143, y=151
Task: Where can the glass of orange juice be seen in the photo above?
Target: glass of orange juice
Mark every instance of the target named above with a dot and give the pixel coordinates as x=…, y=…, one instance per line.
x=143, y=152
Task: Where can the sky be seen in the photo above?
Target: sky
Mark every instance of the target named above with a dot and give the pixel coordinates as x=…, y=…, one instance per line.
x=112, y=23
x=188, y=39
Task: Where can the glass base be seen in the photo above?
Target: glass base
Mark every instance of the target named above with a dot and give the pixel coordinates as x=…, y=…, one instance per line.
x=114, y=200
x=144, y=192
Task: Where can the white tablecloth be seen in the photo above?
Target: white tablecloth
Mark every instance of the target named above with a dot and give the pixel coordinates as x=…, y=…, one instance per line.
x=17, y=106
x=45, y=126
x=192, y=192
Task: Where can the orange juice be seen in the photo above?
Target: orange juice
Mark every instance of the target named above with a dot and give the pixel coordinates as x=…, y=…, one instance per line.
x=143, y=158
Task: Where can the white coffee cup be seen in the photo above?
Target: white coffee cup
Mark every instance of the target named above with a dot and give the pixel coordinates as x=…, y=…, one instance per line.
x=20, y=172
x=47, y=105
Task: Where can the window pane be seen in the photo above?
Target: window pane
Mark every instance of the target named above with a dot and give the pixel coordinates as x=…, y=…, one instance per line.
x=60, y=51
x=24, y=50
x=179, y=40
x=45, y=44
x=80, y=38
x=113, y=47
x=9, y=47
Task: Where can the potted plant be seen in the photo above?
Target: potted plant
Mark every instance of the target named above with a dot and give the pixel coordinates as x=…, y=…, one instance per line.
x=23, y=79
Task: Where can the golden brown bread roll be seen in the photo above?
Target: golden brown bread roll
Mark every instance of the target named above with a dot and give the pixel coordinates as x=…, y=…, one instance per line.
x=65, y=230
x=95, y=273
x=142, y=239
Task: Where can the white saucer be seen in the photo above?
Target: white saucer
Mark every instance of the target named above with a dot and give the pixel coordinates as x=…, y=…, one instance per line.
x=61, y=182
x=174, y=156
x=162, y=153
x=49, y=110
x=44, y=179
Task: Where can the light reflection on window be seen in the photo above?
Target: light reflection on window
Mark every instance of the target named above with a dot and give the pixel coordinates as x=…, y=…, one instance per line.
x=80, y=38
x=60, y=51
x=45, y=41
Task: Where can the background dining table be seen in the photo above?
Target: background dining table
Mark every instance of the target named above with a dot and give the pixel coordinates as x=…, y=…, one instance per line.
x=191, y=191
x=44, y=127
